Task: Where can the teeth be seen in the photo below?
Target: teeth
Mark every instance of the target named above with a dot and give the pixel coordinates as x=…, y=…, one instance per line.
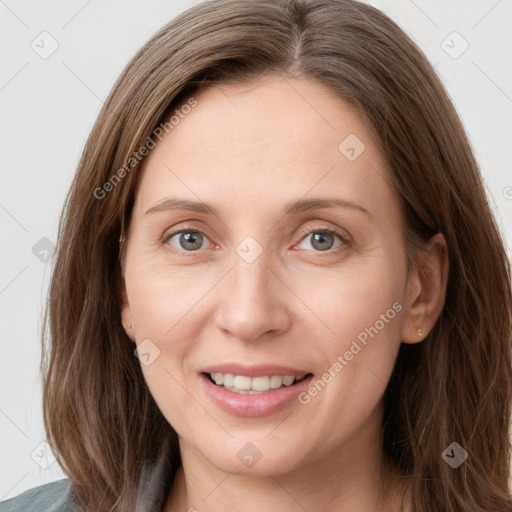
x=229, y=379
x=260, y=383
x=276, y=381
x=288, y=380
x=247, y=385
x=242, y=382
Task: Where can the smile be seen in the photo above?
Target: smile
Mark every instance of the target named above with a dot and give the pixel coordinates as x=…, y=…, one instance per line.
x=257, y=396
x=244, y=384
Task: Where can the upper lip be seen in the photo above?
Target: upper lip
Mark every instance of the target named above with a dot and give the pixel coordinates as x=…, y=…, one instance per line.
x=259, y=370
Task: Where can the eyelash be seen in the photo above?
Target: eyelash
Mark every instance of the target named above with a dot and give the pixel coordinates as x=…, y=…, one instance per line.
x=345, y=242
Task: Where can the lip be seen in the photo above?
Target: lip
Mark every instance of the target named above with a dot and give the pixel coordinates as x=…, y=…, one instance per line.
x=253, y=406
x=261, y=370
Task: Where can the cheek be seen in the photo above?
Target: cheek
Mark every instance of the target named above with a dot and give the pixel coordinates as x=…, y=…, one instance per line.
x=355, y=299
x=165, y=311
x=359, y=336
x=161, y=299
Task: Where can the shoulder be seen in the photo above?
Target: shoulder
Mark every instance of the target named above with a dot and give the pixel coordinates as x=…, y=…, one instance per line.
x=52, y=497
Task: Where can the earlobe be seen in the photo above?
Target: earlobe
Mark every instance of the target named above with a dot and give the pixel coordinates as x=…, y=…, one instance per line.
x=427, y=291
x=127, y=323
x=126, y=316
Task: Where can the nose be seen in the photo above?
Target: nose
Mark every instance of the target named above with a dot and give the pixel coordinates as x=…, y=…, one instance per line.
x=253, y=301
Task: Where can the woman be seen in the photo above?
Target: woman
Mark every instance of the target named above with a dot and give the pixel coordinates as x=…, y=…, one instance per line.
x=208, y=351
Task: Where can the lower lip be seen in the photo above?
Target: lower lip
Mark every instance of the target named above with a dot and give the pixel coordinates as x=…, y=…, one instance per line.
x=253, y=405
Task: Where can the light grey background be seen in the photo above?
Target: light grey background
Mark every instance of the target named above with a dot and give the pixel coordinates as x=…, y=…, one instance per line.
x=48, y=106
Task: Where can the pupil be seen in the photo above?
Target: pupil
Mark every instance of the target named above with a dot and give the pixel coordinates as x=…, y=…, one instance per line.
x=320, y=237
x=191, y=238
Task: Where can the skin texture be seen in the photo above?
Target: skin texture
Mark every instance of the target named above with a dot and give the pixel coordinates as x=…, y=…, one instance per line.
x=248, y=151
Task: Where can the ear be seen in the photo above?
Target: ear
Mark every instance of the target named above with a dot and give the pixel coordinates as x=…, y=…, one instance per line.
x=426, y=291
x=126, y=314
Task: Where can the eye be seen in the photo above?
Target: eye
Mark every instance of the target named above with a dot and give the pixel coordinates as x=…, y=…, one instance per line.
x=322, y=240
x=188, y=240
x=191, y=240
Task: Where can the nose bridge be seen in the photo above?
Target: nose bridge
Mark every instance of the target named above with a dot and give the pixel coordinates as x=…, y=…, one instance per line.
x=251, y=278
x=252, y=304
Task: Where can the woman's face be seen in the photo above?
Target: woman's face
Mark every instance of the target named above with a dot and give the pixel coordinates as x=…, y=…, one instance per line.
x=258, y=290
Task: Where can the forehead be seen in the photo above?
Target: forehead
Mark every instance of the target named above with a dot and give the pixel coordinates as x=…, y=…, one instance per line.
x=274, y=113
x=272, y=140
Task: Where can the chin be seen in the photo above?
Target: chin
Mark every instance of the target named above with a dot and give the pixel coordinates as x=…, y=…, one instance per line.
x=255, y=458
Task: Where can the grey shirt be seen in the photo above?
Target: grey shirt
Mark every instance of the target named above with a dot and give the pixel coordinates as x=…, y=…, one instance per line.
x=52, y=497
x=154, y=485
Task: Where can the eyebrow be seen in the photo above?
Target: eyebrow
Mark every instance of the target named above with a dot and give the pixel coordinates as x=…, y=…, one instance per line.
x=300, y=206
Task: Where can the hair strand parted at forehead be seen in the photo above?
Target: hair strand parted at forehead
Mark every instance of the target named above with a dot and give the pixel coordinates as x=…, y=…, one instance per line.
x=109, y=435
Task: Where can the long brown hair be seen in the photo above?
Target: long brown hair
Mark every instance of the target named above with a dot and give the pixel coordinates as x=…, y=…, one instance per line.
x=108, y=433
